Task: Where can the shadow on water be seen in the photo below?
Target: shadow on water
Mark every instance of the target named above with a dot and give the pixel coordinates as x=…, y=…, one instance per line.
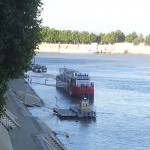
x=62, y=92
x=80, y=120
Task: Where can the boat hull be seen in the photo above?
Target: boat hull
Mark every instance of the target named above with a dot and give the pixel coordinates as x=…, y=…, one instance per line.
x=77, y=91
x=80, y=96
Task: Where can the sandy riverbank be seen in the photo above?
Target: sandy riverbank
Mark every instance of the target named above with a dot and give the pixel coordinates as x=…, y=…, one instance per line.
x=32, y=133
x=118, y=48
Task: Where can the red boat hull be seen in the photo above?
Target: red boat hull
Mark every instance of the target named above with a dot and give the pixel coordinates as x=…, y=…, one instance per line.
x=77, y=91
x=86, y=91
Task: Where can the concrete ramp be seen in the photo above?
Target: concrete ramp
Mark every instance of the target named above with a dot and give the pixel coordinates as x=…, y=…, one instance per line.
x=28, y=99
x=5, y=143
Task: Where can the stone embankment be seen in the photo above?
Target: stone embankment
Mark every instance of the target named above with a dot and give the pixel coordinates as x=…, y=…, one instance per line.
x=19, y=130
x=118, y=48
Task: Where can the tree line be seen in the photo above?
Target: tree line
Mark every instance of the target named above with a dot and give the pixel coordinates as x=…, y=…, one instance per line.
x=51, y=35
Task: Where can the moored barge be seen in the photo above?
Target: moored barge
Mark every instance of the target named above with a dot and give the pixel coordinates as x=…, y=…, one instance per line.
x=77, y=84
x=82, y=110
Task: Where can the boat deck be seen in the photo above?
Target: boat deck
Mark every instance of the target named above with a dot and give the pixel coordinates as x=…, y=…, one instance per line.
x=70, y=113
x=64, y=112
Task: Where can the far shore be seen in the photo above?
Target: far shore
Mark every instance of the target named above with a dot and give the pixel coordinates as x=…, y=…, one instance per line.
x=118, y=48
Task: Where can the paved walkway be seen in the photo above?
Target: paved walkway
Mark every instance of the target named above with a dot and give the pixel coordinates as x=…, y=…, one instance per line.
x=5, y=143
x=33, y=134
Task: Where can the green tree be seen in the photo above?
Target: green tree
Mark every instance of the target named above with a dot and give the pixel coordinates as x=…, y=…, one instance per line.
x=62, y=36
x=51, y=35
x=69, y=36
x=98, y=38
x=19, y=35
x=92, y=37
x=112, y=37
x=75, y=37
x=66, y=34
x=104, y=38
x=45, y=34
x=136, y=41
x=141, y=38
x=130, y=38
x=84, y=37
x=120, y=37
x=147, y=40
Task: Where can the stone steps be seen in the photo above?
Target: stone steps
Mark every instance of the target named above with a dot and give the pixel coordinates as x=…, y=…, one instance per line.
x=8, y=120
x=49, y=142
x=54, y=143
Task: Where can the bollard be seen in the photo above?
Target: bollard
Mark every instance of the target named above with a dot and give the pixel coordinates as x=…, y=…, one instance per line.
x=67, y=135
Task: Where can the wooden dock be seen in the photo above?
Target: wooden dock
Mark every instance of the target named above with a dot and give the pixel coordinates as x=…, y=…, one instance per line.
x=70, y=113
x=81, y=110
x=64, y=112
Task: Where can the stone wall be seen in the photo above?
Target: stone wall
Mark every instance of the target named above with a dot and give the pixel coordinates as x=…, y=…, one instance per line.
x=121, y=48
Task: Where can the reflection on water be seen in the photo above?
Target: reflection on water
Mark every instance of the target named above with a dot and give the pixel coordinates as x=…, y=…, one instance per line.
x=122, y=85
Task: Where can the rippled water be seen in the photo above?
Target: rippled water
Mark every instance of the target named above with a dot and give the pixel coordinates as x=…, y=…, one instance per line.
x=122, y=101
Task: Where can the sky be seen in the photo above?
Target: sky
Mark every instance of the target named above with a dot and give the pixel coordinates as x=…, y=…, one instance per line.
x=98, y=16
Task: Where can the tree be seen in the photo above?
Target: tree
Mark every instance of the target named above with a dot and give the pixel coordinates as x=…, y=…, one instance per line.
x=52, y=36
x=75, y=37
x=147, y=40
x=19, y=36
x=98, y=38
x=112, y=37
x=141, y=38
x=104, y=38
x=136, y=41
x=120, y=37
x=45, y=34
x=84, y=37
x=69, y=36
x=130, y=38
x=92, y=37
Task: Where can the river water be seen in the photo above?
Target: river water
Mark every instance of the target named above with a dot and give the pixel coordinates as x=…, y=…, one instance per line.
x=122, y=101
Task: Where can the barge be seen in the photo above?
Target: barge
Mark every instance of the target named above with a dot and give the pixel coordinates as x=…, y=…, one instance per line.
x=76, y=84
x=82, y=110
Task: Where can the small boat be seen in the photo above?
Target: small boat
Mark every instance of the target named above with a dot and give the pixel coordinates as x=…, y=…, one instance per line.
x=82, y=110
x=38, y=68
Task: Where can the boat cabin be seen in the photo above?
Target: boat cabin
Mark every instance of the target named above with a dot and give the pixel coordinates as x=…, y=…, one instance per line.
x=84, y=104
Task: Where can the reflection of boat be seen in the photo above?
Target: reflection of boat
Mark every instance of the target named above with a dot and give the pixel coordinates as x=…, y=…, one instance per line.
x=38, y=68
x=75, y=83
x=83, y=110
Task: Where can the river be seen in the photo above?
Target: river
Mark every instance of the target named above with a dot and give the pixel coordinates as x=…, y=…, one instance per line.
x=122, y=101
